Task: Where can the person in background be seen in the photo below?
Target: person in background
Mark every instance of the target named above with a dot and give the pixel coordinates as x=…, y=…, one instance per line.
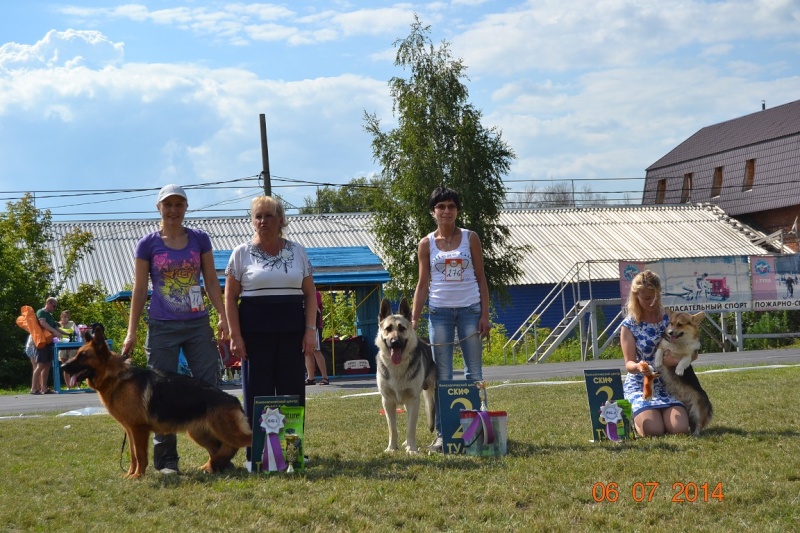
x=789, y=287
x=272, y=308
x=30, y=351
x=451, y=274
x=639, y=336
x=173, y=258
x=318, y=357
x=43, y=358
x=67, y=326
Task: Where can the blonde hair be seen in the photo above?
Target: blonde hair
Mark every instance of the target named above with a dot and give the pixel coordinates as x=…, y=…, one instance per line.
x=270, y=203
x=646, y=279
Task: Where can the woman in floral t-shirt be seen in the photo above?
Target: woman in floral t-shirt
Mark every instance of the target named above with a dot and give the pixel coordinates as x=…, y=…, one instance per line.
x=271, y=304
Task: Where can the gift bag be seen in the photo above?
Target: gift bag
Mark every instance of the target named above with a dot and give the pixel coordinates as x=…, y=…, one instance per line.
x=485, y=432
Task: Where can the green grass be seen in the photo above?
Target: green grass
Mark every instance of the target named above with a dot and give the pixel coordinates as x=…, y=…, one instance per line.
x=64, y=473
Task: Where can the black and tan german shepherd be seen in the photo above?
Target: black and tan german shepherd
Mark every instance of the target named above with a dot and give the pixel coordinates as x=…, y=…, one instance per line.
x=146, y=401
x=405, y=369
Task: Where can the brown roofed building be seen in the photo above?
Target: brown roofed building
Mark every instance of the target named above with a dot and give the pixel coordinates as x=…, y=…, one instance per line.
x=749, y=167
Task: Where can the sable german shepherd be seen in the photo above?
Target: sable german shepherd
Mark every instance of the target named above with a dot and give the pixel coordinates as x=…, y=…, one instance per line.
x=682, y=339
x=405, y=369
x=146, y=401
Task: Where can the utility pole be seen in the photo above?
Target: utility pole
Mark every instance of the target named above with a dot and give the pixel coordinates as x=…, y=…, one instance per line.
x=265, y=156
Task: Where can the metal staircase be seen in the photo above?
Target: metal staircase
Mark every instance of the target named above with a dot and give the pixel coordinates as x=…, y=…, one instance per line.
x=576, y=287
x=572, y=318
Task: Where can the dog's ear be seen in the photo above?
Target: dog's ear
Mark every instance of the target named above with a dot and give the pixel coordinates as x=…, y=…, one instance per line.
x=386, y=309
x=669, y=311
x=99, y=335
x=698, y=318
x=405, y=310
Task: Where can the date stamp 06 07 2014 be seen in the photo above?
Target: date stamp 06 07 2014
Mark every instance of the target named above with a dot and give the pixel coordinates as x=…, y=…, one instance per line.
x=645, y=491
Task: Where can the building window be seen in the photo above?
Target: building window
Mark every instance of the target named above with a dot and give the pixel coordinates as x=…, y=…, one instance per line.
x=716, y=188
x=661, y=192
x=749, y=175
x=686, y=192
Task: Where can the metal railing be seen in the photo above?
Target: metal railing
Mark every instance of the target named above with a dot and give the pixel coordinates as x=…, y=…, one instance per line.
x=571, y=284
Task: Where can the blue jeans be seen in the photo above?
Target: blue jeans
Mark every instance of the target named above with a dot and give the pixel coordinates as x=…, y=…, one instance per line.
x=444, y=322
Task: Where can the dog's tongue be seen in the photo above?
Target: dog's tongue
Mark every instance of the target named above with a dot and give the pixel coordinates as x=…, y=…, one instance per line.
x=72, y=381
x=397, y=355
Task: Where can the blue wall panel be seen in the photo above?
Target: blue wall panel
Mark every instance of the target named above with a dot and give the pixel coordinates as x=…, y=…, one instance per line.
x=525, y=298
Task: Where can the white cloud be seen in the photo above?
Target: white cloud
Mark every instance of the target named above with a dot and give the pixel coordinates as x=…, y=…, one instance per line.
x=387, y=21
x=581, y=89
x=616, y=122
x=268, y=12
x=551, y=35
x=262, y=22
x=68, y=48
x=270, y=32
x=197, y=121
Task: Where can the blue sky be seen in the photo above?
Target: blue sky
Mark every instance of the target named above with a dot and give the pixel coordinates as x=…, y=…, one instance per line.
x=105, y=102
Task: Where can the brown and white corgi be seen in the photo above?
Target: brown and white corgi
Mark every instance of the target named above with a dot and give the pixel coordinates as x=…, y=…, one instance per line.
x=682, y=340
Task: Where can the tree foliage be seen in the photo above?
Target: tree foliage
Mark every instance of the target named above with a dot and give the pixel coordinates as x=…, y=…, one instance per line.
x=76, y=244
x=360, y=195
x=27, y=276
x=439, y=141
x=339, y=314
x=88, y=305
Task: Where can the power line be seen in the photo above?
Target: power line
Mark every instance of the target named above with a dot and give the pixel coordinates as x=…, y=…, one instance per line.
x=539, y=196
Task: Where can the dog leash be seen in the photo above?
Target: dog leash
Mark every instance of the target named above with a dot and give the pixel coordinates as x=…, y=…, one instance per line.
x=432, y=344
x=122, y=450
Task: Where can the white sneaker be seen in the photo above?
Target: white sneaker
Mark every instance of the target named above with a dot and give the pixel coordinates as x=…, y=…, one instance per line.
x=436, y=446
x=169, y=469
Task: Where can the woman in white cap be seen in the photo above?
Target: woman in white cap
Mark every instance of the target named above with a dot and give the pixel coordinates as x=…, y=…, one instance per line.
x=173, y=258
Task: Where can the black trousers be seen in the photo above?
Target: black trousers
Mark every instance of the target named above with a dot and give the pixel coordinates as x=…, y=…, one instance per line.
x=275, y=366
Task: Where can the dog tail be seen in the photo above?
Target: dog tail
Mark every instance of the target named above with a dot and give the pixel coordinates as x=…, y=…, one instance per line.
x=429, y=383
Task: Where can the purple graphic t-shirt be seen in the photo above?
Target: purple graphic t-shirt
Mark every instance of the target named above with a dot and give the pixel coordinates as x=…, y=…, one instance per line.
x=175, y=275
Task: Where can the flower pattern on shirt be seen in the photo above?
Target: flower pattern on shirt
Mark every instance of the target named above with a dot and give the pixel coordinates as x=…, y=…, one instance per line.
x=647, y=336
x=283, y=260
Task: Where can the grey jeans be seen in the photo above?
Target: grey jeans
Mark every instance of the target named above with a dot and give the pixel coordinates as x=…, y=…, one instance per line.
x=165, y=340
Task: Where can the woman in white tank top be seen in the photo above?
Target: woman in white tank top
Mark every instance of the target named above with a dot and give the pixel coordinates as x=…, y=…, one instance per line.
x=451, y=277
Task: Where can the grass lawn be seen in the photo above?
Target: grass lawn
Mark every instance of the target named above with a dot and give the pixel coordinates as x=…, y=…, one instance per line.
x=65, y=473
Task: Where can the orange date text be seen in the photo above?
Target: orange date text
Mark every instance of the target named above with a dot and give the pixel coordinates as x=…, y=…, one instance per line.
x=646, y=491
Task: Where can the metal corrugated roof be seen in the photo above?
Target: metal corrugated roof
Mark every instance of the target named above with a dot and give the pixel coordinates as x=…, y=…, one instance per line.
x=333, y=267
x=560, y=238
x=557, y=238
x=115, y=241
x=750, y=129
